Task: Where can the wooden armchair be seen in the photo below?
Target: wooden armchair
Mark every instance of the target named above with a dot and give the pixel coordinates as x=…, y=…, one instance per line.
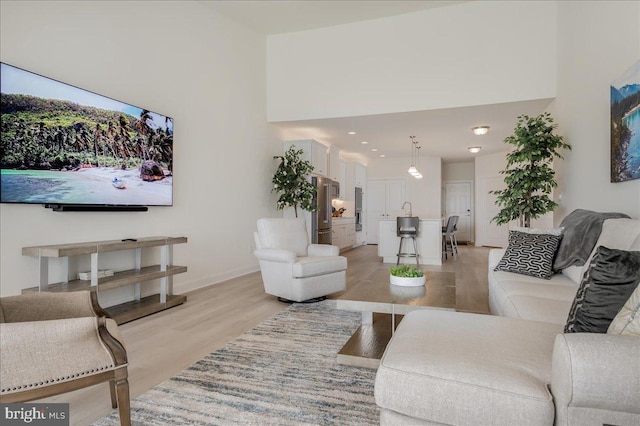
x=52, y=343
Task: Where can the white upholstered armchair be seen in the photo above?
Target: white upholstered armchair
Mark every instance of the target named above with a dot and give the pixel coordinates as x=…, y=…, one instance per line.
x=292, y=269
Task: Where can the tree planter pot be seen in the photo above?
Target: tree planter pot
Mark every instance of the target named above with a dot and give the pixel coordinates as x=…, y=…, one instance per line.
x=407, y=281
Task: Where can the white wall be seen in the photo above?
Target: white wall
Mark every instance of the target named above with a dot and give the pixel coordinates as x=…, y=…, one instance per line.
x=183, y=60
x=423, y=194
x=488, y=178
x=458, y=171
x=597, y=42
x=475, y=53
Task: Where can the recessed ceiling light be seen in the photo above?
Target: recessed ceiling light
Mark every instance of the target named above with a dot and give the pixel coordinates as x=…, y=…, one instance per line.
x=480, y=130
x=364, y=142
x=374, y=149
x=382, y=155
x=351, y=133
x=474, y=149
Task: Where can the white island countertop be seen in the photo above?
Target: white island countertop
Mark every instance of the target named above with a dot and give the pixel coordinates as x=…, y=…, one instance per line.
x=343, y=220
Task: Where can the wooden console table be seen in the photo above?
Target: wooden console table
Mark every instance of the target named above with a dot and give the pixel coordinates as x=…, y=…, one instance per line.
x=137, y=308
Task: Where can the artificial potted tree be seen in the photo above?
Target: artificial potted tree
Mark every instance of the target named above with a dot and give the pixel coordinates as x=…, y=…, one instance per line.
x=528, y=175
x=291, y=181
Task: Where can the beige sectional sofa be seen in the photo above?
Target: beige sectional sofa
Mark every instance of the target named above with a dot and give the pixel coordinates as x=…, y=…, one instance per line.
x=517, y=366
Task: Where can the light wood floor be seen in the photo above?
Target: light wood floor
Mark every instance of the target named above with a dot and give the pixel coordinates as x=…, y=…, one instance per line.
x=161, y=345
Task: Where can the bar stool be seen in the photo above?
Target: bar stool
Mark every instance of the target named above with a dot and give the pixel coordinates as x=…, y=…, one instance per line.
x=407, y=227
x=450, y=231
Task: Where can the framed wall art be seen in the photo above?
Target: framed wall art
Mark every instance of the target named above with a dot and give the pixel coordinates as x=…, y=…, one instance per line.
x=625, y=126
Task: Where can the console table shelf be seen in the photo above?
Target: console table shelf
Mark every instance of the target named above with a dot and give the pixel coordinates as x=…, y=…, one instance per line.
x=119, y=279
x=140, y=306
x=130, y=311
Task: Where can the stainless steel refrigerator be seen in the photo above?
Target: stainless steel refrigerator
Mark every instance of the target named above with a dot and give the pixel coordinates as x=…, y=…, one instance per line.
x=326, y=190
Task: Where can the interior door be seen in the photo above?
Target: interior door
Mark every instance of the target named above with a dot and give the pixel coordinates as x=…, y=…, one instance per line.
x=394, y=198
x=458, y=203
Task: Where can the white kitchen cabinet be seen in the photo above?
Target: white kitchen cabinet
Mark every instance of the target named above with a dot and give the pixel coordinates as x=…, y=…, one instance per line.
x=313, y=152
x=344, y=190
x=339, y=235
x=350, y=237
x=350, y=183
x=334, y=163
x=344, y=233
x=360, y=175
x=384, y=201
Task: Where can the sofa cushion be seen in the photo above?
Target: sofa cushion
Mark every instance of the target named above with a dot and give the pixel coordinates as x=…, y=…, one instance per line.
x=534, y=308
x=529, y=254
x=311, y=265
x=468, y=369
x=612, y=277
x=533, y=299
x=627, y=321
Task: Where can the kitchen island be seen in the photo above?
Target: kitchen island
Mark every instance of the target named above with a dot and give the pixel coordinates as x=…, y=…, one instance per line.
x=429, y=241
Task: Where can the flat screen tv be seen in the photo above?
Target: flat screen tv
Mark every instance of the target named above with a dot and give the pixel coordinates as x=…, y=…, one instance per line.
x=72, y=149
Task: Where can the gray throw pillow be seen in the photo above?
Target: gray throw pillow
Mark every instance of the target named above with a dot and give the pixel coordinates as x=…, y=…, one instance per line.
x=529, y=254
x=608, y=283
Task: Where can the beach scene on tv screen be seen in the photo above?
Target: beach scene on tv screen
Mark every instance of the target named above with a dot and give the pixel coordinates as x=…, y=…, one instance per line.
x=65, y=145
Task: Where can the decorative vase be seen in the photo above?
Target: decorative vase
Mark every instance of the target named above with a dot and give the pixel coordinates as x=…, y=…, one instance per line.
x=407, y=281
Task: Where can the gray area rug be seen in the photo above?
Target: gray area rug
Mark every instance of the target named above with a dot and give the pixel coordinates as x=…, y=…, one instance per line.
x=282, y=372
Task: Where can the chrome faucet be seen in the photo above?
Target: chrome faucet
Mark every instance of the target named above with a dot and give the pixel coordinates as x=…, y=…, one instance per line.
x=410, y=208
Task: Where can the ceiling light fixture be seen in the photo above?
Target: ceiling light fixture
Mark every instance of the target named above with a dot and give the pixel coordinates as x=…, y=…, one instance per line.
x=351, y=133
x=480, y=130
x=413, y=170
x=474, y=149
x=418, y=175
x=364, y=142
x=374, y=149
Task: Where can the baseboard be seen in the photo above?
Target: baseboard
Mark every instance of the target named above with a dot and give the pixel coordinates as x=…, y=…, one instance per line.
x=213, y=279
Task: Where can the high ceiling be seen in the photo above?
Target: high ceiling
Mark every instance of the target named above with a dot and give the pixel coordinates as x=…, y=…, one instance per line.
x=443, y=133
x=286, y=16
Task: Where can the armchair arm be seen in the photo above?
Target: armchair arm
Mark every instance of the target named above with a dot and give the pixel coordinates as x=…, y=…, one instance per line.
x=39, y=353
x=592, y=370
x=276, y=255
x=50, y=306
x=494, y=257
x=323, y=250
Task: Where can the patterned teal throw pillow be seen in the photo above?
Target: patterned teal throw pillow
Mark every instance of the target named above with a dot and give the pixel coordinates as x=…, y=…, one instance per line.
x=530, y=254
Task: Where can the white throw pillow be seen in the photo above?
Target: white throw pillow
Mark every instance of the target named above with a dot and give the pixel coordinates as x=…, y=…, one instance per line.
x=628, y=319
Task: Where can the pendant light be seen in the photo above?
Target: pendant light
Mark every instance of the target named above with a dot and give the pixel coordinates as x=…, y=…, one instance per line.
x=418, y=175
x=413, y=171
